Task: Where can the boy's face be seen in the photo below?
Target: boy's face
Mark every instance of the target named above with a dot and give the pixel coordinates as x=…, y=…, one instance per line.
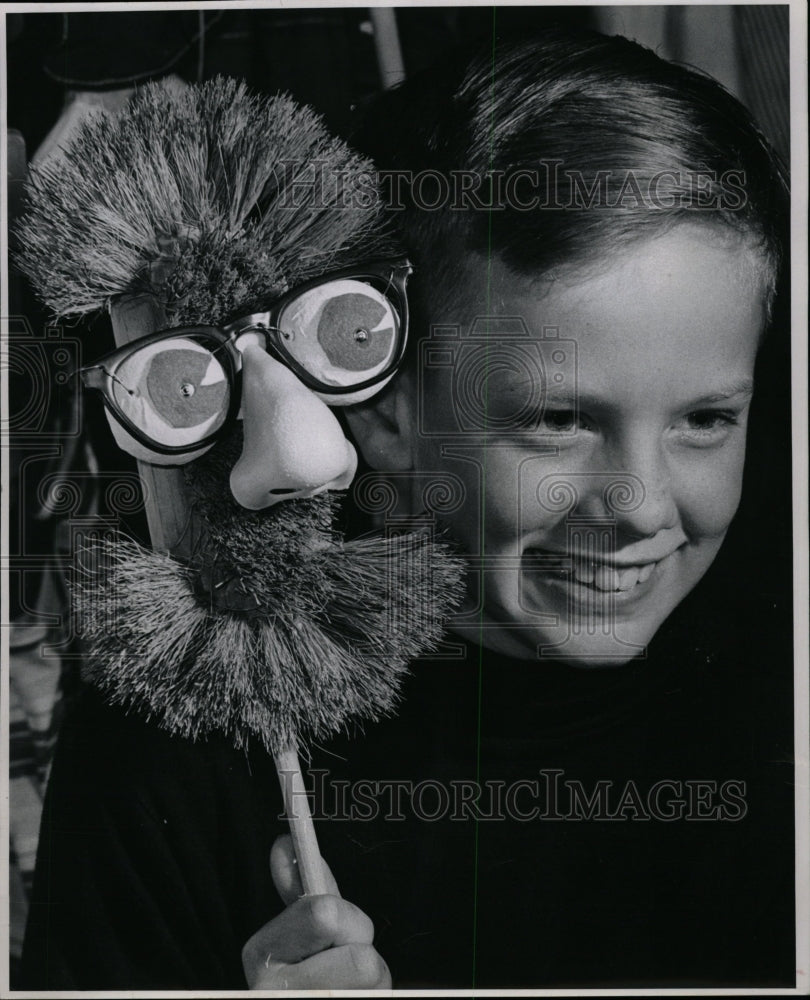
x=597, y=491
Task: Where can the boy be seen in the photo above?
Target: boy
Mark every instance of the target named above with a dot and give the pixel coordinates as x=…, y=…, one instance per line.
x=520, y=823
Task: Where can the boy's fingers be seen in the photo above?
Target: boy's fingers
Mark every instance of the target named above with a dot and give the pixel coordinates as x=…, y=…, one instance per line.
x=337, y=933
x=285, y=874
x=308, y=926
x=349, y=967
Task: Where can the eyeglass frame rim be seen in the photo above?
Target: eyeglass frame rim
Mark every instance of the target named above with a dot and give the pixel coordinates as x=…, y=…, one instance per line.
x=400, y=270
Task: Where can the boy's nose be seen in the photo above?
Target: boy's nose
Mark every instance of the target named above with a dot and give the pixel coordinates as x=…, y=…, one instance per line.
x=653, y=509
x=293, y=444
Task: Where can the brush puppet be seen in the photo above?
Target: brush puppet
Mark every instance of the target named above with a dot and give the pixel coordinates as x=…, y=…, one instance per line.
x=240, y=251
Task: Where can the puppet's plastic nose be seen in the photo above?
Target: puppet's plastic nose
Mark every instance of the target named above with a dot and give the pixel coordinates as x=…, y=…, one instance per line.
x=293, y=444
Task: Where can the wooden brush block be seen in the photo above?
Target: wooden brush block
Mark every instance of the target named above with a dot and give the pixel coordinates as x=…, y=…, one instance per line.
x=167, y=509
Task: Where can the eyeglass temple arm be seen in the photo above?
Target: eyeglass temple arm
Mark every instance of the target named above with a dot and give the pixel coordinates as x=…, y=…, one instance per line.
x=93, y=376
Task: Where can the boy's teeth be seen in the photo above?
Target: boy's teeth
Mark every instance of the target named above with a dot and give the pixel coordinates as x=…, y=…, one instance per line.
x=628, y=577
x=607, y=578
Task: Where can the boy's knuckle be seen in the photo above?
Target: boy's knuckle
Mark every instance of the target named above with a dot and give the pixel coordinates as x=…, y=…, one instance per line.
x=368, y=964
x=362, y=923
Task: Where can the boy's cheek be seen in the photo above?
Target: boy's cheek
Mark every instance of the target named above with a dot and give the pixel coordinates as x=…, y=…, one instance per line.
x=509, y=508
x=708, y=499
x=488, y=513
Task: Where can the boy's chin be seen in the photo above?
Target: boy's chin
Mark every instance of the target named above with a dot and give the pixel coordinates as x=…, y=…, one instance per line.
x=590, y=658
x=547, y=645
x=594, y=644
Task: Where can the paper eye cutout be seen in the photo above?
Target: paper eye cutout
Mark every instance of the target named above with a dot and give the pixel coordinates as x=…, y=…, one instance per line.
x=186, y=387
x=341, y=332
x=356, y=332
x=174, y=391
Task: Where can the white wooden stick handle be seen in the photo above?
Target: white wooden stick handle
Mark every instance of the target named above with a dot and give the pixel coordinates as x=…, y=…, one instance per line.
x=302, y=829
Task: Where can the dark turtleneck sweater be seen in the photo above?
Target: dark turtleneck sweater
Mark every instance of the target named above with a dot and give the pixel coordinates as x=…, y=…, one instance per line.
x=665, y=859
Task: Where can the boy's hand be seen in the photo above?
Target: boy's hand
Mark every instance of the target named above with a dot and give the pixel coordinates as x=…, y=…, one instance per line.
x=318, y=942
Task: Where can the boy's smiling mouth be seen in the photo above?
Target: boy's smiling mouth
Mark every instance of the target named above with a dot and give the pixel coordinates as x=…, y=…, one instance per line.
x=616, y=576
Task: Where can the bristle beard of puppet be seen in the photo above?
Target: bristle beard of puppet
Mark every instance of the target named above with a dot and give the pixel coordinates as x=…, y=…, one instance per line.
x=296, y=674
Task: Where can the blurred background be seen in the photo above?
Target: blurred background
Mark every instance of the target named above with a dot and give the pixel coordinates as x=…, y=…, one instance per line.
x=67, y=477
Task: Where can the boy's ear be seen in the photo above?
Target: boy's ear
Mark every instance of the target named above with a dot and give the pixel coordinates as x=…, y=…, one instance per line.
x=383, y=426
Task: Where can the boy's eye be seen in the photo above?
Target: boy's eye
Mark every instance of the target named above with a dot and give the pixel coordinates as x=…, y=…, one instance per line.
x=707, y=427
x=558, y=421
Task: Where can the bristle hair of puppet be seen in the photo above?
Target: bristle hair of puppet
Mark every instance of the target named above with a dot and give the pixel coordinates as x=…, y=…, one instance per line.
x=210, y=182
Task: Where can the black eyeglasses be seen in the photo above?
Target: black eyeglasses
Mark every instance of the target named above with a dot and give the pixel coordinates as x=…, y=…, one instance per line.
x=177, y=390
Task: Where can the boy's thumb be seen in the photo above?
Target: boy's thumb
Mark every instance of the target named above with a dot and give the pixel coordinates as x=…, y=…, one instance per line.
x=284, y=871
